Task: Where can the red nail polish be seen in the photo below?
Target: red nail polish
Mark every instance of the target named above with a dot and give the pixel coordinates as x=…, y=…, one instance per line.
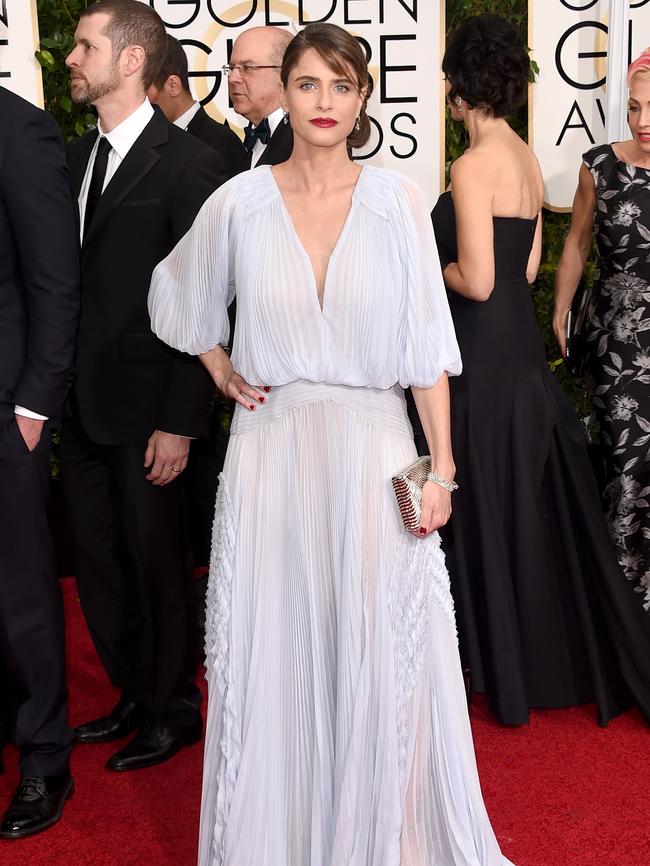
x=252, y=408
x=267, y=389
x=422, y=531
x=262, y=399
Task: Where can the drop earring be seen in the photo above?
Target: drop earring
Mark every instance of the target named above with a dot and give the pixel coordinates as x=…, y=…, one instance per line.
x=357, y=125
x=458, y=104
x=285, y=118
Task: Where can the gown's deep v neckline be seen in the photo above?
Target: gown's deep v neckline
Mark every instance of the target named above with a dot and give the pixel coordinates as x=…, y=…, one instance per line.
x=320, y=306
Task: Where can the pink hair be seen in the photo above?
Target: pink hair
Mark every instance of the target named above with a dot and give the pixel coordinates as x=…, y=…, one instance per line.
x=641, y=64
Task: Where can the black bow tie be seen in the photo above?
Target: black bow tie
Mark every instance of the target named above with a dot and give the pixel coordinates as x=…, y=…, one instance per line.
x=252, y=133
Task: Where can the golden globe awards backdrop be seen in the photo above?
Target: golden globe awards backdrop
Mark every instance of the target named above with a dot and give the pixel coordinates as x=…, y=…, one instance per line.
x=19, y=70
x=402, y=40
x=569, y=41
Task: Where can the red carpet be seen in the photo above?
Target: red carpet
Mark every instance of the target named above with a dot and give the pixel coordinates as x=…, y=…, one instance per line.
x=561, y=792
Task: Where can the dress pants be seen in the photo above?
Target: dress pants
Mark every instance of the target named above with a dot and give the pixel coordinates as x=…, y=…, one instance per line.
x=204, y=466
x=133, y=567
x=32, y=638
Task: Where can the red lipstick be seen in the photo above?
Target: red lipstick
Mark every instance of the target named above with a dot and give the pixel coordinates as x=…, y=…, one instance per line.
x=323, y=122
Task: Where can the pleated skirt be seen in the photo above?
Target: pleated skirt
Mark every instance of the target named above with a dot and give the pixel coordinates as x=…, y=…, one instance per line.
x=337, y=730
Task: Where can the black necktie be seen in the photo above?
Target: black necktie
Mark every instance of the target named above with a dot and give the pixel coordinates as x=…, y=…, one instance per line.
x=252, y=133
x=96, y=181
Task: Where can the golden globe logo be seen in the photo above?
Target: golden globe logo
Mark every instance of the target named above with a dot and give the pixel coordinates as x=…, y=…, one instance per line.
x=569, y=40
x=402, y=41
x=19, y=70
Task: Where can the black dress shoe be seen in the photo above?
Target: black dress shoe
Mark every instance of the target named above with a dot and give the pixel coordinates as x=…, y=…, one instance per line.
x=123, y=719
x=37, y=804
x=154, y=744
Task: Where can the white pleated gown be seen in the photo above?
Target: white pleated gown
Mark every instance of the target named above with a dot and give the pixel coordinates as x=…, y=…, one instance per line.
x=337, y=730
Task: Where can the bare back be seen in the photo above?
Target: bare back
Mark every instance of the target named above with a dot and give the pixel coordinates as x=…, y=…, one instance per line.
x=508, y=170
x=498, y=176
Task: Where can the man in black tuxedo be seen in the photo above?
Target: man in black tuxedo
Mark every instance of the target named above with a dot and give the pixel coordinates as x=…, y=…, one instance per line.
x=39, y=304
x=254, y=88
x=139, y=182
x=170, y=90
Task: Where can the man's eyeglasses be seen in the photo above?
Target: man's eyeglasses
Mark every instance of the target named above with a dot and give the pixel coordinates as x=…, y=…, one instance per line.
x=244, y=68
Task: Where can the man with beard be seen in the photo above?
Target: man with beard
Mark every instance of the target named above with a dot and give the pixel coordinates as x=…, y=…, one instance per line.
x=139, y=182
x=254, y=88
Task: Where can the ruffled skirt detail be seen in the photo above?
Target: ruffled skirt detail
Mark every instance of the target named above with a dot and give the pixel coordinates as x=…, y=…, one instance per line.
x=337, y=731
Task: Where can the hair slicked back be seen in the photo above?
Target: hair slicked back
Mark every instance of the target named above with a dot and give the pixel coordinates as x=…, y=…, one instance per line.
x=174, y=62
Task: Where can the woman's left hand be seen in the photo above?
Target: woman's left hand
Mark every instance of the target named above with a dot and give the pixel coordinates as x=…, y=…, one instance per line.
x=560, y=328
x=436, y=508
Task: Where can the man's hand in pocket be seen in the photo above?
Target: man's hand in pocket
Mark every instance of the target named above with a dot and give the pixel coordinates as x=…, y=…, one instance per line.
x=30, y=429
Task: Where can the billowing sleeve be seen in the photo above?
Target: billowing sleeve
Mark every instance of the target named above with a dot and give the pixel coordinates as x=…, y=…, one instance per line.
x=427, y=340
x=191, y=289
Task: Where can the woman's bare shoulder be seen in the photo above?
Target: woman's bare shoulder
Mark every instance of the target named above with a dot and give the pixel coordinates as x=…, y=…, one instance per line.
x=465, y=166
x=505, y=173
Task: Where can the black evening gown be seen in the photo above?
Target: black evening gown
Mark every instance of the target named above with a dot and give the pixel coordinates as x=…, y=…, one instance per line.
x=546, y=617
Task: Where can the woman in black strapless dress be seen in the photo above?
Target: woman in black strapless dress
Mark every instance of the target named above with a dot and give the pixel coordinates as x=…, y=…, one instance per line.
x=546, y=617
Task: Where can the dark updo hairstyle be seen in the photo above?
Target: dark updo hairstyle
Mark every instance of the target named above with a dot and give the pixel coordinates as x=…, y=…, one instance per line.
x=339, y=50
x=487, y=65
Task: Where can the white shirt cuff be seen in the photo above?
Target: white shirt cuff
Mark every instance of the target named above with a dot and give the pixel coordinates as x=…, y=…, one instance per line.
x=27, y=413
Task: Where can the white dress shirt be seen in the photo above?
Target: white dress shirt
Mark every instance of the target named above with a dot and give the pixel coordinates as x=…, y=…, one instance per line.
x=188, y=116
x=258, y=148
x=121, y=139
x=27, y=413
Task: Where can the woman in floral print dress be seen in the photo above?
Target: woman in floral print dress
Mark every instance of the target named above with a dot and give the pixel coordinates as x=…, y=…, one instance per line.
x=613, y=200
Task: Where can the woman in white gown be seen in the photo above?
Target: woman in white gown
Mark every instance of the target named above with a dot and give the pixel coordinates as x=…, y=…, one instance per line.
x=337, y=729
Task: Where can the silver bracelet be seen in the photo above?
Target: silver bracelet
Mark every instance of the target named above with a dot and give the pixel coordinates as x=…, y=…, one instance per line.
x=449, y=486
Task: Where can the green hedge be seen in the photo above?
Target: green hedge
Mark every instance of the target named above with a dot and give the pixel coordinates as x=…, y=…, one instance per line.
x=57, y=21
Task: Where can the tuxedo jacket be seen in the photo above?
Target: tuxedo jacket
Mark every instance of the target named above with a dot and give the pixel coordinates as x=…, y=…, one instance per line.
x=278, y=149
x=39, y=265
x=220, y=137
x=129, y=383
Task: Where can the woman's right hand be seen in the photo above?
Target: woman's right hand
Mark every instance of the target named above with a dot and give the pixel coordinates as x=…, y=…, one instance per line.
x=232, y=385
x=435, y=508
x=560, y=317
x=218, y=364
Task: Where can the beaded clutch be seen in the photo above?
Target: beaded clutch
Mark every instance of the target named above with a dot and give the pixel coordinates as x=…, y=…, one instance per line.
x=408, y=486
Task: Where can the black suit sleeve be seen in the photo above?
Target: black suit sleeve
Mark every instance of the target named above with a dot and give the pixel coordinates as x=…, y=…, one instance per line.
x=190, y=388
x=37, y=196
x=229, y=145
x=198, y=180
x=235, y=154
x=220, y=137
